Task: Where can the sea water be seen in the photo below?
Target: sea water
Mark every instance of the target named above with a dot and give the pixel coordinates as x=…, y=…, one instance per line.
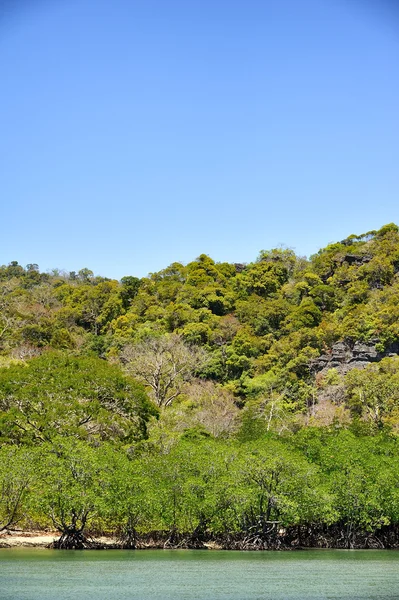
x=37, y=574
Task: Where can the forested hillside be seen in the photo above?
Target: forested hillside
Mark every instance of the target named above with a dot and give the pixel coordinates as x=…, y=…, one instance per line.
x=254, y=404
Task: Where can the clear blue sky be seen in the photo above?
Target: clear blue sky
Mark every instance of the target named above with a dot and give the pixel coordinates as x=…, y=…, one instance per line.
x=135, y=133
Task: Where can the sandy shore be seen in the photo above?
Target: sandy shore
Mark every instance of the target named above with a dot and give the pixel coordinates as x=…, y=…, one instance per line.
x=43, y=539
x=37, y=539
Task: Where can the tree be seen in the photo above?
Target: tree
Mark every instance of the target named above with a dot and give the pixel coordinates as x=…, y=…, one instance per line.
x=10, y=315
x=74, y=476
x=130, y=288
x=129, y=505
x=373, y=392
x=363, y=477
x=17, y=469
x=60, y=395
x=93, y=303
x=85, y=274
x=164, y=364
x=204, y=407
x=184, y=489
x=279, y=487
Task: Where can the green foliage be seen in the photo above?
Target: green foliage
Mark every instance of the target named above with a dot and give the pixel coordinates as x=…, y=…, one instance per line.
x=247, y=436
x=281, y=486
x=263, y=278
x=373, y=393
x=364, y=478
x=74, y=480
x=60, y=395
x=17, y=472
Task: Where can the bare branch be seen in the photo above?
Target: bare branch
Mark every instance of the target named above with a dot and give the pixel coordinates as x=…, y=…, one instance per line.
x=165, y=364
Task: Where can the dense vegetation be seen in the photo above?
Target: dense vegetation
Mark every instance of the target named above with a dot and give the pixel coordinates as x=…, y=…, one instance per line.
x=206, y=401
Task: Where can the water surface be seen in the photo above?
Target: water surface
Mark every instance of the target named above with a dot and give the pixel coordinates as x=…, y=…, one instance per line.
x=37, y=574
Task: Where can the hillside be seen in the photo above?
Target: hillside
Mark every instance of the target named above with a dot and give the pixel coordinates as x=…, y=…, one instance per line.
x=282, y=327
x=286, y=369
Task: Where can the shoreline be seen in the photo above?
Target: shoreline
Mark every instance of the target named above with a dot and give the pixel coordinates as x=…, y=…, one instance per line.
x=40, y=539
x=26, y=539
x=45, y=539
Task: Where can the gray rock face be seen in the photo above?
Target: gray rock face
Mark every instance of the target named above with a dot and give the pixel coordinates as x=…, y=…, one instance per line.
x=356, y=259
x=240, y=267
x=344, y=358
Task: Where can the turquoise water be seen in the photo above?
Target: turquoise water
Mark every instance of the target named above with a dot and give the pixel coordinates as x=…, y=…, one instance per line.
x=198, y=575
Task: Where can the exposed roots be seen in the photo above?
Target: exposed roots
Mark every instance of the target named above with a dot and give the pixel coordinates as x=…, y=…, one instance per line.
x=74, y=540
x=293, y=538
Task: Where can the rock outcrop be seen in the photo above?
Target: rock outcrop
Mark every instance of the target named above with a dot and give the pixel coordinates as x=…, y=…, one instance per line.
x=355, y=259
x=344, y=357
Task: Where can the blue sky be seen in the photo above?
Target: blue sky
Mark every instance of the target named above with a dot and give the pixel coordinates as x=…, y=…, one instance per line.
x=135, y=133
